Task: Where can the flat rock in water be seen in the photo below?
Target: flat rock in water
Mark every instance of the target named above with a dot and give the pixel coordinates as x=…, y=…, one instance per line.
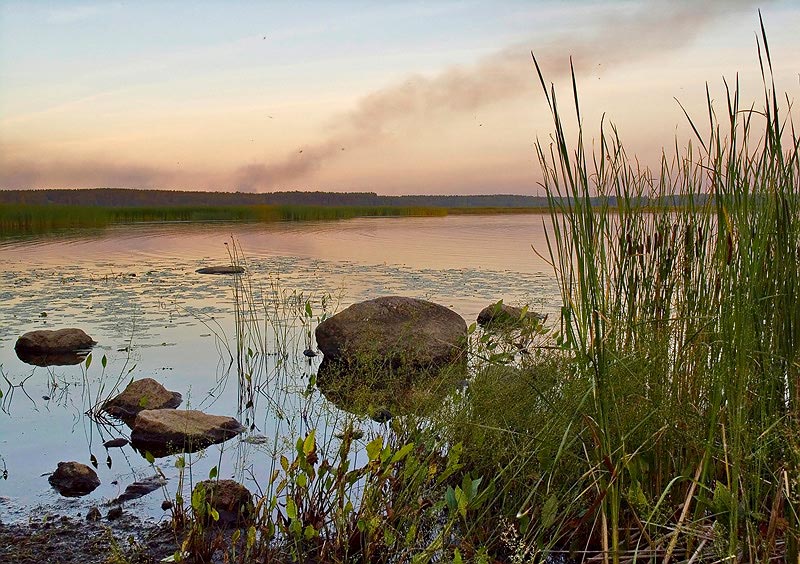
x=73, y=479
x=61, y=340
x=162, y=432
x=232, y=500
x=221, y=270
x=116, y=443
x=140, y=489
x=140, y=395
x=396, y=332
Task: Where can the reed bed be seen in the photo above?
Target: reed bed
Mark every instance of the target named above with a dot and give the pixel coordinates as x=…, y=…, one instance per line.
x=684, y=322
x=24, y=219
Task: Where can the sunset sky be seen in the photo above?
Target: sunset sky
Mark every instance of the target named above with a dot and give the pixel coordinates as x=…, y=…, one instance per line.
x=391, y=97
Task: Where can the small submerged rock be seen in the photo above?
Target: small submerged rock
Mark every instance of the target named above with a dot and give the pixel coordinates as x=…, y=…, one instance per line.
x=139, y=489
x=229, y=269
x=93, y=514
x=500, y=314
x=256, y=439
x=138, y=396
x=73, y=479
x=162, y=432
x=116, y=443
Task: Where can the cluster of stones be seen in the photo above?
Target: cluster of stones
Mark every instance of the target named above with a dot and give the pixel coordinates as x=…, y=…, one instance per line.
x=402, y=343
x=146, y=406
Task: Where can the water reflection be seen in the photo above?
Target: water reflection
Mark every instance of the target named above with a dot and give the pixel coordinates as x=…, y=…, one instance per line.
x=51, y=359
x=135, y=290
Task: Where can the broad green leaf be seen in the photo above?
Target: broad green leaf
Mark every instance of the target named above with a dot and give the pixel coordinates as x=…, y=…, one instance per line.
x=251, y=536
x=402, y=453
x=88, y=361
x=450, y=498
x=149, y=457
x=212, y=473
x=103, y=361
x=291, y=509
x=374, y=448
x=550, y=511
x=308, y=444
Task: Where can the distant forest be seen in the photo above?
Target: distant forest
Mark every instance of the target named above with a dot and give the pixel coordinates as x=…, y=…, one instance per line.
x=121, y=198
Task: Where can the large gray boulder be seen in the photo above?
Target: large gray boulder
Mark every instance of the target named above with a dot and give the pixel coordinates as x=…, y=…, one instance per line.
x=391, y=356
x=46, y=341
x=73, y=479
x=138, y=396
x=394, y=331
x=167, y=431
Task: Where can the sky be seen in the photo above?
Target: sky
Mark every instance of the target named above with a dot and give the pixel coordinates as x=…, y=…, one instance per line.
x=395, y=97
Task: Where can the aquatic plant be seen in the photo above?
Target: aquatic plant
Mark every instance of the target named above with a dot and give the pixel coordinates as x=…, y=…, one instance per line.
x=683, y=321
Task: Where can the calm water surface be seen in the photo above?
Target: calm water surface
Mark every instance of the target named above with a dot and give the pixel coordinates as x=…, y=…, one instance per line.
x=134, y=290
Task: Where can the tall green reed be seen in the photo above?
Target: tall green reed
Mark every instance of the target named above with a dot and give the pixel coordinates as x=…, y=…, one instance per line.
x=679, y=307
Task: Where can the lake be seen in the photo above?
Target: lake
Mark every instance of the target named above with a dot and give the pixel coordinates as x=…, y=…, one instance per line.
x=134, y=289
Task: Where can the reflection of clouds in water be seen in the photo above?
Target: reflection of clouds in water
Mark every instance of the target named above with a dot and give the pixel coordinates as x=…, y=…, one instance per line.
x=171, y=315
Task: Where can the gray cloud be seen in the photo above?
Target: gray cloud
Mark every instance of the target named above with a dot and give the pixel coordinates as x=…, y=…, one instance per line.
x=653, y=27
x=635, y=34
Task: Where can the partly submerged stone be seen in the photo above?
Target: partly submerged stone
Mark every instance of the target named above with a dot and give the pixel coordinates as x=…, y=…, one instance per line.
x=500, y=314
x=229, y=269
x=73, y=479
x=140, y=395
x=395, y=332
x=119, y=442
x=61, y=347
x=162, y=432
x=391, y=355
x=232, y=501
x=61, y=340
x=139, y=489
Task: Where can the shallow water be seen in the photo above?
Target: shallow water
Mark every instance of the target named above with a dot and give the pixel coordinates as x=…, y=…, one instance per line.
x=134, y=290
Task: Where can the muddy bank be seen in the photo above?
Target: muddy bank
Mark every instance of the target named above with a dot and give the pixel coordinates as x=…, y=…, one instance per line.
x=73, y=540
